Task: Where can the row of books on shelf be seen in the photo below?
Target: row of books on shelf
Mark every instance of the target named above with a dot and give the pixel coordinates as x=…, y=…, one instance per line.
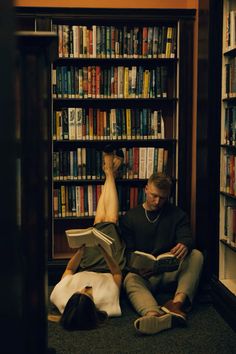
x=76, y=123
x=230, y=30
x=228, y=172
x=229, y=128
x=76, y=201
x=86, y=163
x=113, y=82
x=230, y=225
x=103, y=41
x=230, y=78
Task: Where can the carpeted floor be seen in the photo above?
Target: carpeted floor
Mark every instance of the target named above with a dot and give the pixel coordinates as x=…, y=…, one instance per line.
x=206, y=333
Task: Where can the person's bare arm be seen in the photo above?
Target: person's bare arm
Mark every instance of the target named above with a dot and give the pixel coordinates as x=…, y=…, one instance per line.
x=74, y=262
x=113, y=266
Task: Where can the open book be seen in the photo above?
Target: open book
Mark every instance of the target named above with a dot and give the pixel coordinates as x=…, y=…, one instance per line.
x=89, y=237
x=165, y=262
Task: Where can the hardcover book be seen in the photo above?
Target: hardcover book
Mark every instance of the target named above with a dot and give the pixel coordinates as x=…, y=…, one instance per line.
x=165, y=262
x=89, y=237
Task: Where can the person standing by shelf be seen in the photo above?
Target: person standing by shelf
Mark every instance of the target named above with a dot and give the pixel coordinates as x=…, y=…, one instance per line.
x=157, y=226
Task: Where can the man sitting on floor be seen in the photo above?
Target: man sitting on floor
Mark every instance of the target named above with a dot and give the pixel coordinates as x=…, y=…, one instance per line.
x=157, y=226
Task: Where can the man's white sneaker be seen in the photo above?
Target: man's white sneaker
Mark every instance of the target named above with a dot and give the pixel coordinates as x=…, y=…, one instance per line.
x=153, y=324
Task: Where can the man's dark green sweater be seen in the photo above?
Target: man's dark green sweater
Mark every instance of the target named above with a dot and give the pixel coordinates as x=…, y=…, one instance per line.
x=171, y=227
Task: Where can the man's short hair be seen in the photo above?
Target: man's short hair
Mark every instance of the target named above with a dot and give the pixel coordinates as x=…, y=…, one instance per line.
x=161, y=181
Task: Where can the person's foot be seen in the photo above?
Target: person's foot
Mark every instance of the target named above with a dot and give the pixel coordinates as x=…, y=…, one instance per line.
x=157, y=323
x=107, y=157
x=153, y=324
x=107, y=165
x=174, y=309
x=108, y=149
x=118, y=159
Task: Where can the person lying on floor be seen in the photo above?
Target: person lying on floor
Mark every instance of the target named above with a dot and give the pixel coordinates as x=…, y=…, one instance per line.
x=85, y=298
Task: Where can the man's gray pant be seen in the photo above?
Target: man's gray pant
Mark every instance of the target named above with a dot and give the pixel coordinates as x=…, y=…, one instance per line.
x=141, y=291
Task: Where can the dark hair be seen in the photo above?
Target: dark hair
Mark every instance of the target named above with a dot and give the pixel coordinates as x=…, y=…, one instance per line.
x=161, y=181
x=80, y=313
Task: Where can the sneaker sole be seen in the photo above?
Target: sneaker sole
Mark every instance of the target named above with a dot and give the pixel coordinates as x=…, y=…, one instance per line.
x=174, y=314
x=152, y=324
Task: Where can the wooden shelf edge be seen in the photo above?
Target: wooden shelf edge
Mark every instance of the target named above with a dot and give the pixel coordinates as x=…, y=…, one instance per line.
x=224, y=301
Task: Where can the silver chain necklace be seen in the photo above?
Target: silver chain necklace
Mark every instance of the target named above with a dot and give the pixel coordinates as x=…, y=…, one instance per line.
x=149, y=220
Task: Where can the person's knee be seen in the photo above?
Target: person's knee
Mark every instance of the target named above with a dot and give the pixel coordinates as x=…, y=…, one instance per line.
x=106, y=218
x=197, y=257
x=111, y=219
x=130, y=277
x=131, y=281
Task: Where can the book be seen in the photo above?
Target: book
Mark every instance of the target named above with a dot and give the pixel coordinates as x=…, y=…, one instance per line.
x=142, y=162
x=65, y=41
x=71, y=123
x=150, y=161
x=165, y=262
x=89, y=237
x=232, y=23
x=65, y=124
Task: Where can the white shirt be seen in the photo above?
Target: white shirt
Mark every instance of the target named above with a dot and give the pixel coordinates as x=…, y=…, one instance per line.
x=105, y=291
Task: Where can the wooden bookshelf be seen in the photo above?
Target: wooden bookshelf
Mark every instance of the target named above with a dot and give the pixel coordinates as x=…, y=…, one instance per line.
x=28, y=248
x=221, y=151
x=227, y=225
x=135, y=103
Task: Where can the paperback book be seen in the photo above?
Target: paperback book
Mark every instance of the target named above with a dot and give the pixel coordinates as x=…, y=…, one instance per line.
x=89, y=237
x=165, y=262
